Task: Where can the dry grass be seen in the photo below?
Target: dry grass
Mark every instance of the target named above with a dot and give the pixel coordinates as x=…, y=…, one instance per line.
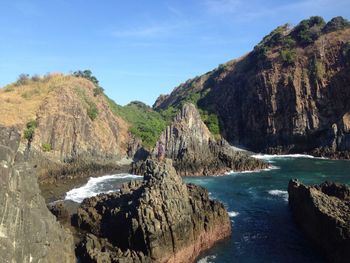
x=19, y=103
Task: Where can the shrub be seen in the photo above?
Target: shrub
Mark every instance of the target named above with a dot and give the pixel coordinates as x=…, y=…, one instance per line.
x=30, y=130
x=211, y=120
x=336, y=23
x=98, y=91
x=87, y=74
x=35, y=78
x=308, y=30
x=22, y=79
x=288, y=56
x=46, y=147
x=92, y=111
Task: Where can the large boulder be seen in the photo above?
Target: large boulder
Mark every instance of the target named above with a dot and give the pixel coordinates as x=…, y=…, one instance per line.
x=158, y=220
x=323, y=213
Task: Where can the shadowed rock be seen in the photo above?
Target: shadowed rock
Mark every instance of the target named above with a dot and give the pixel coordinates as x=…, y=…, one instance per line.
x=323, y=213
x=28, y=231
x=158, y=220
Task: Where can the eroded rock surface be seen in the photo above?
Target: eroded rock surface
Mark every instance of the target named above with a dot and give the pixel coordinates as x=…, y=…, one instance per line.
x=195, y=151
x=158, y=220
x=268, y=103
x=323, y=213
x=28, y=231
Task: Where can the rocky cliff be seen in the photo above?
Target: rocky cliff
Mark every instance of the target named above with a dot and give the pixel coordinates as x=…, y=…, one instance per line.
x=290, y=94
x=63, y=120
x=158, y=220
x=28, y=231
x=323, y=213
x=195, y=151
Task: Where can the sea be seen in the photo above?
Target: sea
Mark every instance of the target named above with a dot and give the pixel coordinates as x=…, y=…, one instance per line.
x=263, y=229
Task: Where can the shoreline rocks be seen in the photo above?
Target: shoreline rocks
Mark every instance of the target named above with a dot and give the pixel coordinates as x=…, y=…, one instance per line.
x=28, y=231
x=158, y=220
x=195, y=151
x=323, y=213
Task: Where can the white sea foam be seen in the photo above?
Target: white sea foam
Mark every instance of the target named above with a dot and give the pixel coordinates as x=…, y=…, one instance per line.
x=282, y=156
x=207, y=259
x=233, y=214
x=280, y=193
x=271, y=167
x=91, y=188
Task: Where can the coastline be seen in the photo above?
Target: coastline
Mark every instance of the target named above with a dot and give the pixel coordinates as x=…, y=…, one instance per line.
x=56, y=191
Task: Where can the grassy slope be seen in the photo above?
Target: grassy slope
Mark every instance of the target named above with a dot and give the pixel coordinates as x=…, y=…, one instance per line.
x=20, y=102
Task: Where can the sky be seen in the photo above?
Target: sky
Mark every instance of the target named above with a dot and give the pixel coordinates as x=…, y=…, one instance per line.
x=140, y=49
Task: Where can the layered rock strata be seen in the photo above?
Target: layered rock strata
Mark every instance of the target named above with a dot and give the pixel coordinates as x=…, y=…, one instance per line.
x=286, y=96
x=195, y=151
x=158, y=220
x=28, y=231
x=323, y=213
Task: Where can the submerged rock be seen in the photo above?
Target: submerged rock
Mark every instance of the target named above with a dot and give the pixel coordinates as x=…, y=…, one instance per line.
x=195, y=151
x=323, y=213
x=158, y=220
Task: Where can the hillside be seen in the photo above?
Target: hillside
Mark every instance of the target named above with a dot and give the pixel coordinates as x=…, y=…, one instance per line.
x=290, y=94
x=63, y=119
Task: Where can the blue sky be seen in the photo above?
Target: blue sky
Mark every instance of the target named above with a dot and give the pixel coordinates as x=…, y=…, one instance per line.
x=140, y=49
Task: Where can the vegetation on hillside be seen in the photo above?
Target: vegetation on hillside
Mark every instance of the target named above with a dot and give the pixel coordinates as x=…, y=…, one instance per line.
x=87, y=74
x=145, y=123
x=30, y=130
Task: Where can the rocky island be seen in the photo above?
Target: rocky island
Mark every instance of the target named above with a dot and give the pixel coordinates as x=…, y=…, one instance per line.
x=158, y=220
x=323, y=213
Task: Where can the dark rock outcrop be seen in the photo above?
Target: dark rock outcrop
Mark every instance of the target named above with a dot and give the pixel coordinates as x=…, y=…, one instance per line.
x=194, y=150
x=323, y=213
x=158, y=220
x=28, y=231
x=286, y=96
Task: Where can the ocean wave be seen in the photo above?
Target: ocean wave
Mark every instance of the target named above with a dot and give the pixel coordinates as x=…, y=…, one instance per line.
x=207, y=259
x=233, y=214
x=270, y=168
x=280, y=193
x=283, y=156
x=91, y=188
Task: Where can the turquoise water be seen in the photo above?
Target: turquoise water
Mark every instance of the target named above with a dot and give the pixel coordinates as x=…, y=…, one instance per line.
x=263, y=227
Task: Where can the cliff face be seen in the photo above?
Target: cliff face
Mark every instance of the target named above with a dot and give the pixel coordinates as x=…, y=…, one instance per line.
x=158, y=220
x=323, y=213
x=63, y=120
x=28, y=231
x=290, y=94
x=195, y=151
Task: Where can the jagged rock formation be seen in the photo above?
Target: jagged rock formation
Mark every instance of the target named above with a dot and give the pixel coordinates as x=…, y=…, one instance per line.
x=323, y=213
x=158, y=220
x=66, y=127
x=290, y=94
x=195, y=151
x=28, y=231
